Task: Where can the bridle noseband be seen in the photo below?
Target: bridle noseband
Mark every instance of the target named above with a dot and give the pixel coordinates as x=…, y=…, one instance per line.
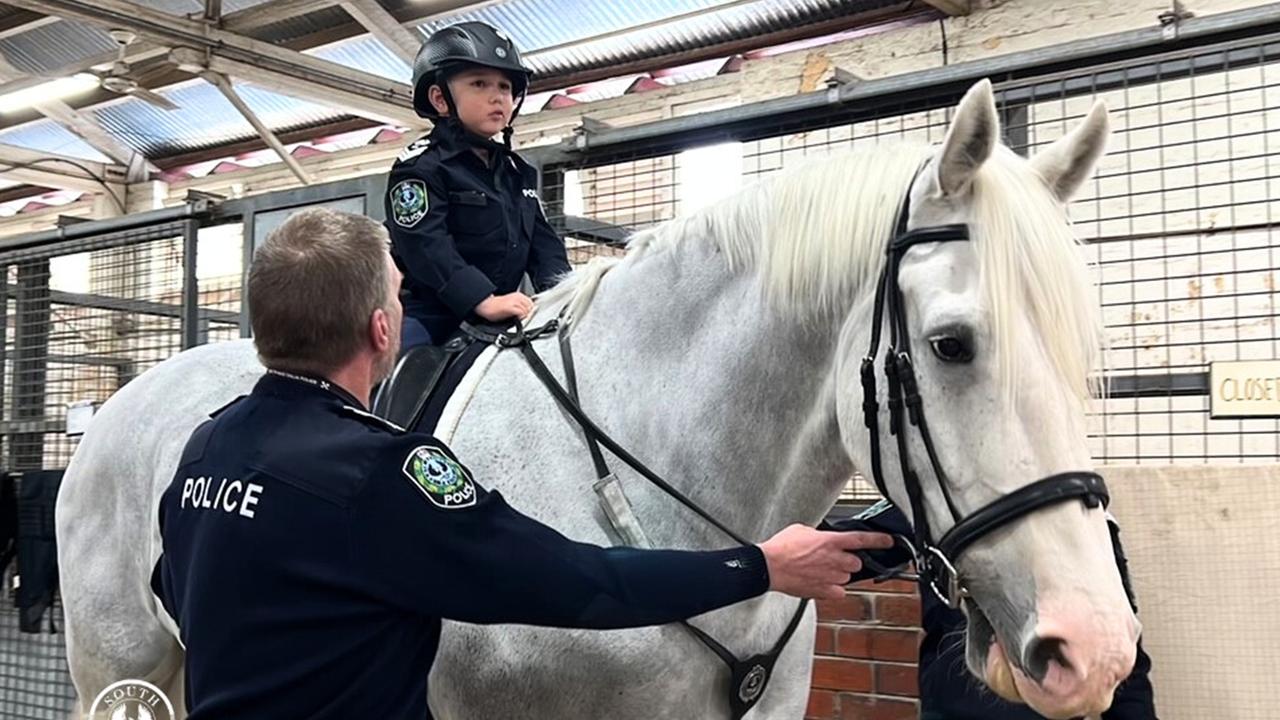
x=936, y=561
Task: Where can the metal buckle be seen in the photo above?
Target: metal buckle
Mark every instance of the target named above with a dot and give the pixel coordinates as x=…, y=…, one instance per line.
x=955, y=591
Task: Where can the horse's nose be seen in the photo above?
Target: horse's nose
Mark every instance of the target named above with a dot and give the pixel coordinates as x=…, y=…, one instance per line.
x=1068, y=656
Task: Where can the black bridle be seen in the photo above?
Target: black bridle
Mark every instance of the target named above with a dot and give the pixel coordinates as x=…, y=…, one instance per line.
x=936, y=561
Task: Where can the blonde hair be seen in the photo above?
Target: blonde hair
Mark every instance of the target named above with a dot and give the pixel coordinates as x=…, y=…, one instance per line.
x=313, y=285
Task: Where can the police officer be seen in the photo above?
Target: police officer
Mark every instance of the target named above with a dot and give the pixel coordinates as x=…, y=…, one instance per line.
x=463, y=210
x=310, y=550
x=946, y=692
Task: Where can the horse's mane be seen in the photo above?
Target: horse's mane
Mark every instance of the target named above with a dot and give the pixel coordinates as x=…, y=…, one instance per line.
x=816, y=236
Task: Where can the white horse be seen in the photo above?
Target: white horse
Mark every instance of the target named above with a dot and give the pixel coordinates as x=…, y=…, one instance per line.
x=724, y=352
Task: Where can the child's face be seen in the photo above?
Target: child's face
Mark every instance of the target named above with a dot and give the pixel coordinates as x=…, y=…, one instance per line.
x=483, y=99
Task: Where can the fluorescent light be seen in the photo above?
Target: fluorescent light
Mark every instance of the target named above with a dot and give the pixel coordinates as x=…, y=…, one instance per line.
x=46, y=91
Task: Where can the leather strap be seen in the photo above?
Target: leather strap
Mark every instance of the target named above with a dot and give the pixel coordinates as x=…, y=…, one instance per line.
x=1086, y=486
x=749, y=677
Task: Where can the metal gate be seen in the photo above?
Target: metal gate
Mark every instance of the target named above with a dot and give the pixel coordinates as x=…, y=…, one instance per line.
x=82, y=317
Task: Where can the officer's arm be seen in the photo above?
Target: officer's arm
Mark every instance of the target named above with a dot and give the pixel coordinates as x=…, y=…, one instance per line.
x=1135, y=698
x=469, y=556
x=548, y=260
x=423, y=243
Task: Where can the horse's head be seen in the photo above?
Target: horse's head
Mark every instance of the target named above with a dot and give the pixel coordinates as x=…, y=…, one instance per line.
x=1004, y=333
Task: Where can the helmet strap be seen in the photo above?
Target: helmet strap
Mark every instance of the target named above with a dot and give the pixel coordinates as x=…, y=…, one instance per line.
x=508, y=131
x=448, y=97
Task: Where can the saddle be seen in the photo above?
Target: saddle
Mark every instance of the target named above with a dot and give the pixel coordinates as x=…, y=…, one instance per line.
x=424, y=378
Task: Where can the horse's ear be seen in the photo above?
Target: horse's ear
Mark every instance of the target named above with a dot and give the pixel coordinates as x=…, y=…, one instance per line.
x=973, y=134
x=1067, y=163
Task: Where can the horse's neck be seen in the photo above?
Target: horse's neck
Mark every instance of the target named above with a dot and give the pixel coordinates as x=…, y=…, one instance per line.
x=733, y=404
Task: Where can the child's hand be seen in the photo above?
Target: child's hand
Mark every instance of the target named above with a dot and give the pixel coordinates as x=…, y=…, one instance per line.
x=501, y=307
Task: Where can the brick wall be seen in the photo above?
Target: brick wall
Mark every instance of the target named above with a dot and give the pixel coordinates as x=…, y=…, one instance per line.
x=864, y=665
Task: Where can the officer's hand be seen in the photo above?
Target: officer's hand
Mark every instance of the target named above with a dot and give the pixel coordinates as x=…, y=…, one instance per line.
x=808, y=563
x=502, y=307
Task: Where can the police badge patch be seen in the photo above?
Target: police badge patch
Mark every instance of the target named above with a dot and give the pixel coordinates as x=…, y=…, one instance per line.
x=445, y=482
x=408, y=202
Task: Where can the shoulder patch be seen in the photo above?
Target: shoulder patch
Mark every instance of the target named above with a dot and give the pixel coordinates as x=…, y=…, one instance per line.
x=409, y=202
x=415, y=148
x=443, y=480
x=371, y=419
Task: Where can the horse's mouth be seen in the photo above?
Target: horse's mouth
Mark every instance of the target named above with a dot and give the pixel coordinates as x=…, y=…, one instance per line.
x=987, y=658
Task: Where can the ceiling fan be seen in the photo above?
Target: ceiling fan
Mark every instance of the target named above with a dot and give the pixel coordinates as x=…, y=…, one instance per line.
x=117, y=79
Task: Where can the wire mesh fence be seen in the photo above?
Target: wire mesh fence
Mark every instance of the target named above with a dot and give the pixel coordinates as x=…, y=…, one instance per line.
x=81, y=320
x=1178, y=221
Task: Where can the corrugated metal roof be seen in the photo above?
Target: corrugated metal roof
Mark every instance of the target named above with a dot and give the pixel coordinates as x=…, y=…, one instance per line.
x=367, y=54
x=50, y=47
x=553, y=46
x=48, y=136
x=559, y=37
x=205, y=118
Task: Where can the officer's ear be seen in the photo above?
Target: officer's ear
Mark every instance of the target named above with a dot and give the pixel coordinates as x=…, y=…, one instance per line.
x=381, y=334
x=436, y=97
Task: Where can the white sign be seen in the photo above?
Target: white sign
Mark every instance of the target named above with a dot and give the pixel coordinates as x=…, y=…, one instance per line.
x=1244, y=389
x=78, y=416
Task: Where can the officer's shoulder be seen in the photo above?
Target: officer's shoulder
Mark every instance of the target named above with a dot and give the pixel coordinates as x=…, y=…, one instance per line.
x=370, y=420
x=227, y=407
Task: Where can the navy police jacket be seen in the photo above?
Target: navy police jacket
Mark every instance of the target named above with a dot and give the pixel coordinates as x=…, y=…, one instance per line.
x=311, y=550
x=462, y=230
x=946, y=690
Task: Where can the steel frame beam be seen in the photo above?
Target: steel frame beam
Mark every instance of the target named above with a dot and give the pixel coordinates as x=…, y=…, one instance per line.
x=257, y=61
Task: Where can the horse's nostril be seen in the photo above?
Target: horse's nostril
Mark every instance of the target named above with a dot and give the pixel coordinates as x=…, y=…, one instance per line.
x=1043, y=651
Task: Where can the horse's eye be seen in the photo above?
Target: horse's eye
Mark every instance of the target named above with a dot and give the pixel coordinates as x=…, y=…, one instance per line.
x=951, y=349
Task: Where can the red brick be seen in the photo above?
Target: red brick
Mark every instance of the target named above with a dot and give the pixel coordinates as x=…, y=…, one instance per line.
x=822, y=706
x=861, y=707
x=895, y=645
x=901, y=610
x=901, y=587
x=824, y=643
x=896, y=680
x=853, y=642
x=850, y=607
x=841, y=674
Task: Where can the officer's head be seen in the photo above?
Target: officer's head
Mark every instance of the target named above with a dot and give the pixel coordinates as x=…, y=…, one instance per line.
x=446, y=67
x=324, y=293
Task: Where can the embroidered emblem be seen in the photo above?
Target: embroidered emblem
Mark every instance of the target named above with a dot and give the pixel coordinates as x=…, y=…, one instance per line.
x=409, y=202
x=445, y=482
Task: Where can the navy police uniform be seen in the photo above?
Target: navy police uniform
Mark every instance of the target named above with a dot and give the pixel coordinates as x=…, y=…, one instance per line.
x=462, y=230
x=946, y=693
x=311, y=551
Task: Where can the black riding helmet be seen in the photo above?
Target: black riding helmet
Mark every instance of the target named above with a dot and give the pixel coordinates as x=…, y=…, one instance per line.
x=457, y=46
